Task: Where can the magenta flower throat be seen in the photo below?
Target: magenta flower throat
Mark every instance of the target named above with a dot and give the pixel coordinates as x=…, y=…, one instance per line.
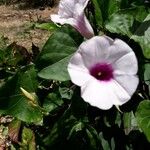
x=102, y=71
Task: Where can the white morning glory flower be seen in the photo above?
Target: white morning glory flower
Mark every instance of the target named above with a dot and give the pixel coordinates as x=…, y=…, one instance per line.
x=105, y=69
x=72, y=12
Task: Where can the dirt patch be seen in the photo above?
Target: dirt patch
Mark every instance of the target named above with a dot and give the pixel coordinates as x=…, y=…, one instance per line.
x=18, y=25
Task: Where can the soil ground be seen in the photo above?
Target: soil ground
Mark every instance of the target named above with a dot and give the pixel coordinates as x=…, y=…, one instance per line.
x=17, y=25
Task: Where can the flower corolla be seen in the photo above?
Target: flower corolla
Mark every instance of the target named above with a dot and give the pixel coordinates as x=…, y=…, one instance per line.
x=105, y=69
x=72, y=12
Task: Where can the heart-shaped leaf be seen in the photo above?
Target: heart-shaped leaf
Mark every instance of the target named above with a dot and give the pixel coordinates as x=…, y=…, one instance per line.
x=16, y=103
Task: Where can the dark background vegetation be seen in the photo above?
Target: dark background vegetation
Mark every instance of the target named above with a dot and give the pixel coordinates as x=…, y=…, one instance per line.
x=31, y=3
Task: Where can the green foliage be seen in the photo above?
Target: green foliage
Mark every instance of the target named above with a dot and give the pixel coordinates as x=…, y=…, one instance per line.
x=147, y=73
x=66, y=93
x=28, y=139
x=47, y=109
x=54, y=72
x=52, y=102
x=133, y=22
x=14, y=102
x=47, y=26
x=143, y=117
x=142, y=36
x=55, y=55
x=98, y=13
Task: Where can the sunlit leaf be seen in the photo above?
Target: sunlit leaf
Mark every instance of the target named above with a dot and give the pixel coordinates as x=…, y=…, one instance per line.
x=14, y=102
x=28, y=139
x=61, y=44
x=143, y=117
x=126, y=21
x=57, y=71
x=56, y=53
x=142, y=36
x=120, y=23
x=47, y=26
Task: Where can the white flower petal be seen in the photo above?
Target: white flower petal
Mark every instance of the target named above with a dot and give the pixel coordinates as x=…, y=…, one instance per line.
x=83, y=26
x=104, y=94
x=127, y=64
x=72, y=12
x=95, y=50
x=83, y=3
x=79, y=74
x=97, y=94
x=66, y=8
x=121, y=94
x=118, y=49
x=78, y=10
x=58, y=19
x=128, y=82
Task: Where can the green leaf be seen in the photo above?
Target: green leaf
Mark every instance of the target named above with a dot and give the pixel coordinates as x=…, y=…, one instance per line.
x=56, y=136
x=108, y=7
x=53, y=136
x=53, y=59
x=16, y=103
x=122, y=21
x=129, y=122
x=16, y=55
x=28, y=140
x=134, y=23
x=57, y=71
x=98, y=13
x=66, y=92
x=12, y=147
x=47, y=26
x=114, y=6
x=107, y=144
x=61, y=44
x=76, y=128
x=147, y=73
x=143, y=117
x=142, y=36
x=52, y=102
x=93, y=137
x=131, y=3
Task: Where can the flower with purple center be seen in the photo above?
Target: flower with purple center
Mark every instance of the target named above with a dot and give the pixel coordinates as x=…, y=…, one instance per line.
x=72, y=12
x=105, y=69
x=102, y=71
